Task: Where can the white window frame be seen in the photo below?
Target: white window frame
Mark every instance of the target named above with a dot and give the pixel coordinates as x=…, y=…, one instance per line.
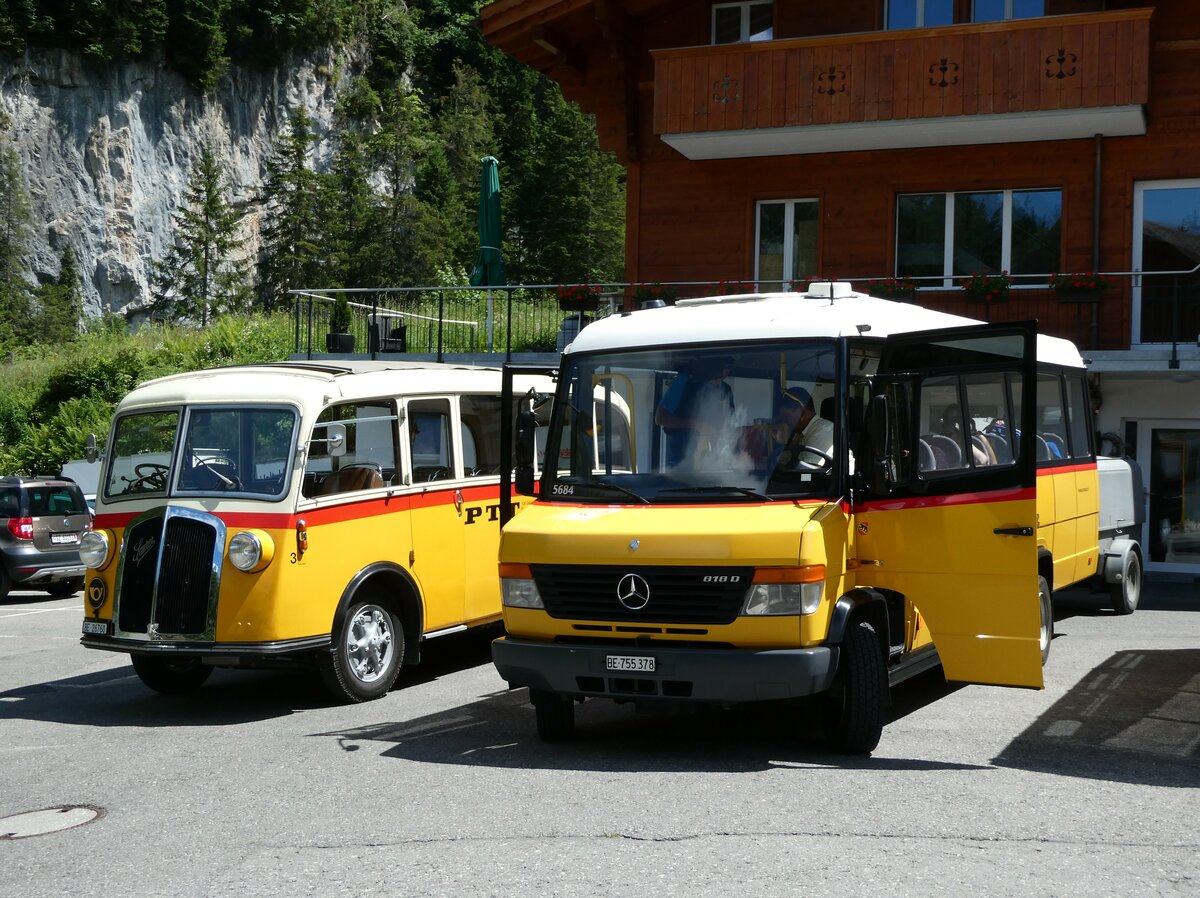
x=744, y=5
x=920, y=12
x=789, y=234
x=1008, y=11
x=1139, y=211
x=948, y=275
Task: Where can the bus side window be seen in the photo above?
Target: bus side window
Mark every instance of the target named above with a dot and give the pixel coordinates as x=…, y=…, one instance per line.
x=1051, y=423
x=369, y=461
x=1079, y=418
x=429, y=440
x=480, y=431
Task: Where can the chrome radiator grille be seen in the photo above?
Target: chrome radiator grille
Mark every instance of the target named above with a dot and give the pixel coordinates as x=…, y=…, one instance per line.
x=169, y=574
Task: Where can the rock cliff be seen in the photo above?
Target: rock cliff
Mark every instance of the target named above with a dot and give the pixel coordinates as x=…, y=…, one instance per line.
x=106, y=151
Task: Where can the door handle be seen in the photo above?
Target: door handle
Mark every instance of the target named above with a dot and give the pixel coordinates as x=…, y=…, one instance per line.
x=458, y=502
x=1013, y=531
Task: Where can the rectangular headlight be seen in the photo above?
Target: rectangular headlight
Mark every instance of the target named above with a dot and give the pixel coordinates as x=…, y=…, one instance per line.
x=517, y=588
x=777, y=591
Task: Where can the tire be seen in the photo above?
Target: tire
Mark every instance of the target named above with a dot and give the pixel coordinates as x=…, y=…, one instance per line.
x=555, y=715
x=64, y=588
x=5, y=584
x=1046, y=613
x=170, y=676
x=1126, y=594
x=366, y=654
x=859, y=693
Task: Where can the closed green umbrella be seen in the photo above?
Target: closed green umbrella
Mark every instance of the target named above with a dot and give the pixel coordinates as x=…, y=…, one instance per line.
x=489, y=264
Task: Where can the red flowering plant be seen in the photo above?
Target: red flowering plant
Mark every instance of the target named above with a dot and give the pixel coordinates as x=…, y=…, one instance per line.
x=902, y=288
x=643, y=293
x=799, y=285
x=578, y=297
x=986, y=287
x=731, y=288
x=1080, y=286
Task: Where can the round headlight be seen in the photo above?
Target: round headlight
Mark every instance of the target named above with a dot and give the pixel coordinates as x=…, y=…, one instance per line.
x=93, y=548
x=251, y=550
x=245, y=551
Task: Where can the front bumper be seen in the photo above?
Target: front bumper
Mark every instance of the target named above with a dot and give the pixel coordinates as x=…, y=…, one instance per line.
x=714, y=676
x=217, y=653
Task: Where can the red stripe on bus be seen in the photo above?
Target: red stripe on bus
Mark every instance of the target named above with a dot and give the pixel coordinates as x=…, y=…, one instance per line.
x=1066, y=469
x=1008, y=495
x=330, y=514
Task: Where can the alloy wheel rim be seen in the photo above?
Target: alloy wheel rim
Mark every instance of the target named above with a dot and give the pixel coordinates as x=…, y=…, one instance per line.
x=369, y=643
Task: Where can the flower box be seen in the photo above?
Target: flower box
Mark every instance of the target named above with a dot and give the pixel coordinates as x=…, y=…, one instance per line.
x=1079, y=287
x=579, y=297
x=986, y=288
x=899, y=289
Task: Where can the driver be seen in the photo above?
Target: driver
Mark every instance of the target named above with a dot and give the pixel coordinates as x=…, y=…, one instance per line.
x=801, y=427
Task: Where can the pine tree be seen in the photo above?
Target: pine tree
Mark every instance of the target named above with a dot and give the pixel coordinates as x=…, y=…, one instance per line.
x=295, y=254
x=16, y=219
x=200, y=276
x=61, y=304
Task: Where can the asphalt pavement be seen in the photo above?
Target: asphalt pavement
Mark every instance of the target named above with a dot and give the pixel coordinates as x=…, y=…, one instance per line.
x=258, y=785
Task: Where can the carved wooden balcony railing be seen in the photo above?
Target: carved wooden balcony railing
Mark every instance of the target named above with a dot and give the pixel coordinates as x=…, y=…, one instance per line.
x=1025, y=79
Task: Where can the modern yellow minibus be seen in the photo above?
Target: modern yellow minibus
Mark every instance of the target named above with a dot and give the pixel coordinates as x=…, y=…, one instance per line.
x=827, y=494
x=325, y=513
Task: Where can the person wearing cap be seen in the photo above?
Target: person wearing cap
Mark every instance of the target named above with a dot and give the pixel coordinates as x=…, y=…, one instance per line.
x=801, y=427
x=698, y=402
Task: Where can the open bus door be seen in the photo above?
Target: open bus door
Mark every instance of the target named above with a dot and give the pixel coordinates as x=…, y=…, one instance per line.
x=956, y=535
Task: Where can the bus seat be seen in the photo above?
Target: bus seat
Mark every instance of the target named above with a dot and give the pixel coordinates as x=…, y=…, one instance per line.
x=1000, y=448
x=1043, y=451
x=926, y=460
x=425, y=473
x=947, y=452
x=981, y=443
x=1055, y=442
x=359, y=476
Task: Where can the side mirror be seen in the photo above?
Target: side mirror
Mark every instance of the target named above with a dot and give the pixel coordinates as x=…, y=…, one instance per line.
x=526, y=427
x=880, y=450
x=89, y=449
x=335, y=439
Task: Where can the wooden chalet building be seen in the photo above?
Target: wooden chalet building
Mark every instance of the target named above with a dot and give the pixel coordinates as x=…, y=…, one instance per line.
x=865, y=139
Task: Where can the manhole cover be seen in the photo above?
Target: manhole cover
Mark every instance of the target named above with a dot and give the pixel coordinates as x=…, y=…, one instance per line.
x=48, y=820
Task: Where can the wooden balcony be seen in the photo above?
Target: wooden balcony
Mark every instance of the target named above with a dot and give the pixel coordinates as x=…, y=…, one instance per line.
x=1053, y=78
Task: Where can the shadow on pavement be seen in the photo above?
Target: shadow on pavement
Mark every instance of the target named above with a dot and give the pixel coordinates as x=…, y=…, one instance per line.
x=117, y=698
x=499, y=730
x=1135, y=718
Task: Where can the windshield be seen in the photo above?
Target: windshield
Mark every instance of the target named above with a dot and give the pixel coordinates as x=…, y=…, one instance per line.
x=218, y=450
x=705, y=424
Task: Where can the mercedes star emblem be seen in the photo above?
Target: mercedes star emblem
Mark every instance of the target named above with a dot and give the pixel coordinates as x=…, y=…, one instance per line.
x=633, y=592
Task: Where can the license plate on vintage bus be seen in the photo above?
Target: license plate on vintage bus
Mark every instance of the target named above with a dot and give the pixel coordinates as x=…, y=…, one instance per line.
x=96, y=627
x=630, y=663
x=63, y=539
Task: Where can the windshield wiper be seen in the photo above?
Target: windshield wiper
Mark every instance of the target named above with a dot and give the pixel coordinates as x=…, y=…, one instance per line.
x=610, y=486
x=744, y=490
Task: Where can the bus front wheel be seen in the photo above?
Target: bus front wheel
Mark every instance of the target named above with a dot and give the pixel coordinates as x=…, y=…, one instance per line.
x=365, y=657
x=170, y=676
x=859, y=693
x=555, y=715
x=1046, y=629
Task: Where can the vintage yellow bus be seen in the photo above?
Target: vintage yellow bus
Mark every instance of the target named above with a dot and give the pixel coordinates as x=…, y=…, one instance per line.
x=336, y=514
x=826, y=494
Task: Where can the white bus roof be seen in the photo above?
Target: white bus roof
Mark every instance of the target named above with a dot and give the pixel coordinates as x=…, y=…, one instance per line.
x=311, y=383
x=826, y=310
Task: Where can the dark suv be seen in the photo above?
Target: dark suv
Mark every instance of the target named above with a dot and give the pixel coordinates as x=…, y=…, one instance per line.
x=40, y=524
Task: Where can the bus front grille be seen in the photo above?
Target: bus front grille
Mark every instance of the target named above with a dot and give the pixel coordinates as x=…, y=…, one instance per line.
x=169, y=574
x=672, y=595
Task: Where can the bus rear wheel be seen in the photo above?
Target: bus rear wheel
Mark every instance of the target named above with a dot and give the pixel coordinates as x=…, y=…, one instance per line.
x=854, y=720
x=365, y=657
x=555, y=715
x=1126, y=594
x=170, y=676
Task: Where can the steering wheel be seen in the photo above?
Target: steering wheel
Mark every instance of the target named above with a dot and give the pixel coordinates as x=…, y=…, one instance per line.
x=151, y=474
x=824, y=461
